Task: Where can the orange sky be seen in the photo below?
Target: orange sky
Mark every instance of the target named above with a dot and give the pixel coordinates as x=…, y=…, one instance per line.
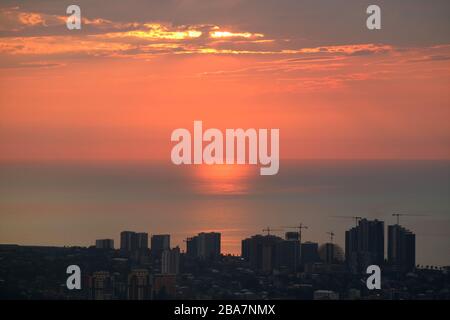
x=117, y=90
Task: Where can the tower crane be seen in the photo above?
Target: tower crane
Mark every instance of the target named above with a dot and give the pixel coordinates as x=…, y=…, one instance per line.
x=187, y=240
x=331, y=233
x=268, y=229
x=357, y=218
x=398, y=215
x=299, y=227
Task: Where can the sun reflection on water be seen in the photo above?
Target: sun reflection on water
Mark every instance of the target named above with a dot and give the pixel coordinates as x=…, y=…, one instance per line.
x=223, y=179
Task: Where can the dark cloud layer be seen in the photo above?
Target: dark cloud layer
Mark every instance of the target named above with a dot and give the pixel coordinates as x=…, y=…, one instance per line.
x=308, y=22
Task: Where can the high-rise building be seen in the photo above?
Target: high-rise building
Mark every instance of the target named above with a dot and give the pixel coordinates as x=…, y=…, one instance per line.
x=205, y=245
x=170, y=261
x=102, y=286
x=142, y=241
x=288, y=252
x=128, y=241
x=245, y=249
x=268, y=252
x=309, y=252
x=160, y=243
x=107, y=244
x=261, y=252
x=192, y=247
x=364, y=245
x=134, y=244
x=351, y=246
x=208, y=245
x=292, y=236
x=401, y=248
x=139, y=287
x=329, y=253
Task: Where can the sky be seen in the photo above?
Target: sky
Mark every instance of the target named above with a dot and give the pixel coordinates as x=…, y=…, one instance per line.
x=137, y=70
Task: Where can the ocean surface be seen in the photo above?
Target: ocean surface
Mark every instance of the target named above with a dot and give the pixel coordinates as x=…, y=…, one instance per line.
x=74, y=204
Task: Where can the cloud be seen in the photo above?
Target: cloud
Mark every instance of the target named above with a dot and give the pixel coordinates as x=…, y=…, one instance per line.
x=431, y=58
x=15, y=21
x=156, y=31
x=164, y=38
x=53, y=45
x=33, y=65
x=282, y=59
x=355, y=49
x=228, y=34
x=118, y=38
x=33, y=33
x=12, y=19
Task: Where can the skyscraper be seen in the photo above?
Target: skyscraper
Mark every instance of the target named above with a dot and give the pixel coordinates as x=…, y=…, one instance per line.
x=139, y=287
x=208, y=245
x=245, y=249
x=102, y=286
x=401, y=248
x=309, y=252
x=292, y=236
x=128, y=241
x=170, y=261
x=192, y=247
x=159, y=243
x=142, y=241
x=288, y=252
x=134, y=244
x=329, y=253
x=104, y=244
x=364, y=245
x=261, y=252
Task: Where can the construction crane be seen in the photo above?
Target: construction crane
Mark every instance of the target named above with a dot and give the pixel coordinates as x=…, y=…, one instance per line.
x=187, y=240
x=268, y=229
x=398, y=215
x=357, y=218
x=299, y=227
x=331, y=233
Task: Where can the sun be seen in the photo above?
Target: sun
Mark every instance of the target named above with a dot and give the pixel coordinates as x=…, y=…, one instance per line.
x=224, y=179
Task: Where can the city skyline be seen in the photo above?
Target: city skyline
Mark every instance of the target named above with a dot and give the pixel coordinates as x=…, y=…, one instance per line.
x=316, y=232
x=269, y=267
x=130, y=240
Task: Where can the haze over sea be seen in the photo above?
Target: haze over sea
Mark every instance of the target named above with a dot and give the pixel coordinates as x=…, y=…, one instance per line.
x=74, y=204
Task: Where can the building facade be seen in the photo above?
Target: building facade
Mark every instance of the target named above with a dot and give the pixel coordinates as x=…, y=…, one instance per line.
x=159, y=243
x=170, y=261
x=401, y=248
x=107, y=244
x=364, y=245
